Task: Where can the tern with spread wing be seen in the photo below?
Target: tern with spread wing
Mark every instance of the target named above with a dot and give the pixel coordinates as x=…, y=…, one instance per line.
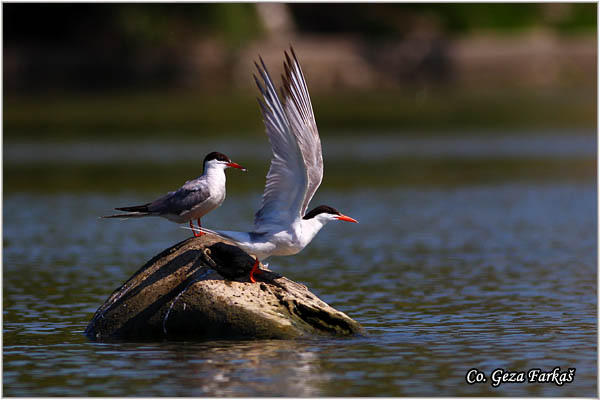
x=193, y=200
x=281, y=226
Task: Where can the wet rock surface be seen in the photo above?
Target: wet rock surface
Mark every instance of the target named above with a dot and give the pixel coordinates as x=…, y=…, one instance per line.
x=200, y=289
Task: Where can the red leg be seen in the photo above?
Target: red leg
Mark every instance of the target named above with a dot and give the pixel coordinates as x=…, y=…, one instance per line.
x=200, y=226
x=194, y=230
x=255, y=271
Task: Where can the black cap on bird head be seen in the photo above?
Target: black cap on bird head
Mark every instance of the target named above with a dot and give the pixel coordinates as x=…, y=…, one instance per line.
x=319, y=210
x=215, y=155
x=328, y=210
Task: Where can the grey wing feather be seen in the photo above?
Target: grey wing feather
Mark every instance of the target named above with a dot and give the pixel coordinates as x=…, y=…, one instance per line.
x=297, y=165
x=286, y=183
x=299, y=111
x=179, y=201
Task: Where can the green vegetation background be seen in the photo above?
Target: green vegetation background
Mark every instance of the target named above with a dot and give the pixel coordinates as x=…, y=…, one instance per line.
x=152, y=110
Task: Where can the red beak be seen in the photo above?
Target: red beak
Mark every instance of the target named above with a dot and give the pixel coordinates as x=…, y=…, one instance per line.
x=236, y=165
x=347, y=218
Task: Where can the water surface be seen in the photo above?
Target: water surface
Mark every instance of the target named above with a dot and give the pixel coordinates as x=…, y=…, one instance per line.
x=445, y=278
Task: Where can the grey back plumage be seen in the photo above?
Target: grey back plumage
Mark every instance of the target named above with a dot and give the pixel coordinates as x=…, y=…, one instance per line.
x=180, y=201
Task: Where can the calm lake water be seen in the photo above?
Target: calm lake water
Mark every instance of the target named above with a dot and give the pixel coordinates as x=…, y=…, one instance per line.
x=481, y=273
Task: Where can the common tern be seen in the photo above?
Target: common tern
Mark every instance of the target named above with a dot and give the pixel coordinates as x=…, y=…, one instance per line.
x=193, y=200
x=282, y=227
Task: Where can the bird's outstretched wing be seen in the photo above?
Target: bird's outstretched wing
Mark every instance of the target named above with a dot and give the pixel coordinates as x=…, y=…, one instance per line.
x=299, y=111
x=296, y=167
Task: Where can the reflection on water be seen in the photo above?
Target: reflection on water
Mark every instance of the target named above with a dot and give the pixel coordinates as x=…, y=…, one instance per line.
x=219, y=368
x=234, y=369
x=443, y=279
x=173, y=369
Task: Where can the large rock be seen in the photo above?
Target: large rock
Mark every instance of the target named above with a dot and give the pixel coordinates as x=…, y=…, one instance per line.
x=200, y=289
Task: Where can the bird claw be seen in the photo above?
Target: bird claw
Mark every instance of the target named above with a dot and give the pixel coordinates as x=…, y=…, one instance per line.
x=255, y=271
x=196, y=232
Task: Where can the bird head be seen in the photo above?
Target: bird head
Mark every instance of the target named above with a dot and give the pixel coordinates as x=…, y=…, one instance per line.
x=220, y=160
x=325, y=214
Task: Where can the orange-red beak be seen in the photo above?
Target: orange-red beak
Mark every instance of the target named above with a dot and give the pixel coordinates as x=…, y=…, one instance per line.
x=347, y=218
x=236, y=165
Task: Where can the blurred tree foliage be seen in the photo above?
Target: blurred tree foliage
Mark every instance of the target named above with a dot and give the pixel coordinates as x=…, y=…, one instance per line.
x=382, y=20
x=134, y=24
x=92, y=67
x=236, y=23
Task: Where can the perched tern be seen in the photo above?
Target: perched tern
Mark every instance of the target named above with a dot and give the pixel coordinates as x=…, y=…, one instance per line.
x=281, y=226
x=193, y=200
